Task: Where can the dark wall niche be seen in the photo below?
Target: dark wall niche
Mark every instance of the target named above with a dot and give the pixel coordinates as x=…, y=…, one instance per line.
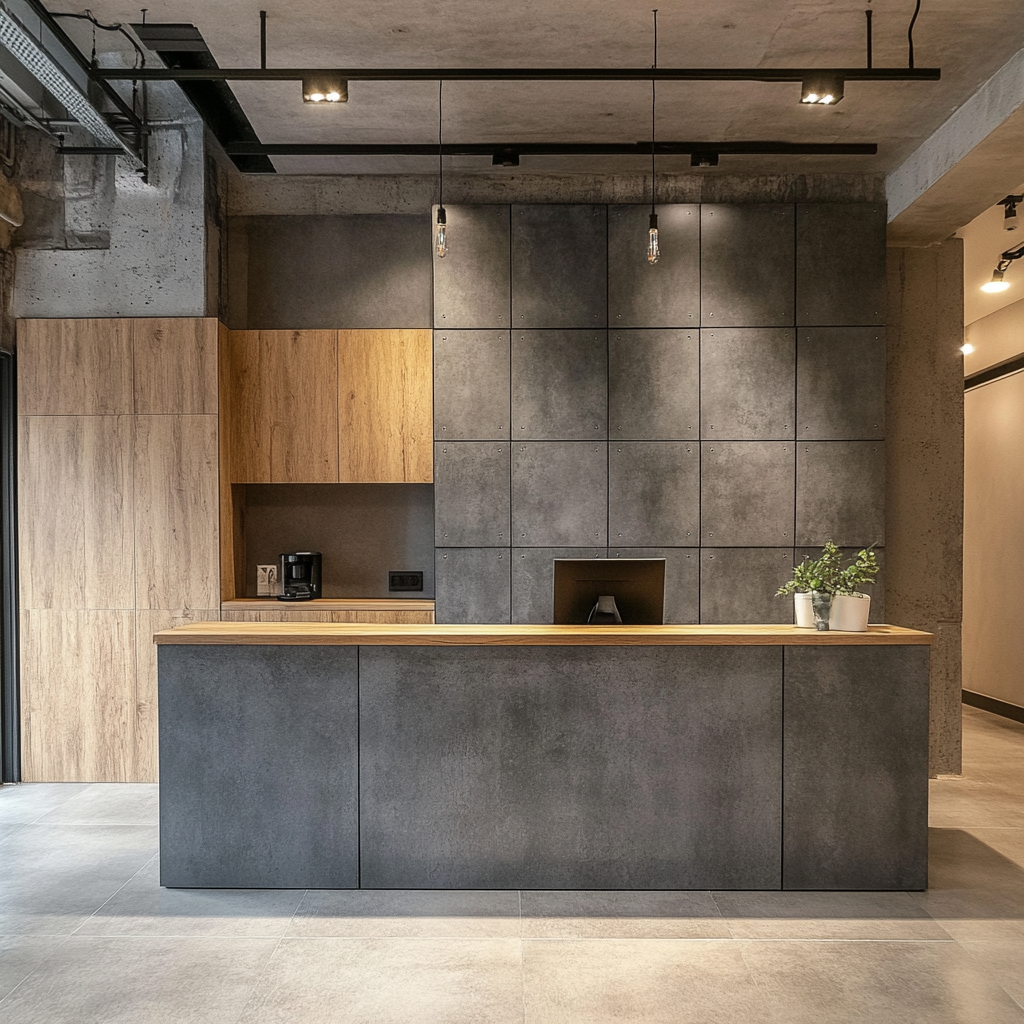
x=362, y=530
x=723, y=409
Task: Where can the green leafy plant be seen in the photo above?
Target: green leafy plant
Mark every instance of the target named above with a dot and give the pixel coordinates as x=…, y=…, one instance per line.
x=828, y=575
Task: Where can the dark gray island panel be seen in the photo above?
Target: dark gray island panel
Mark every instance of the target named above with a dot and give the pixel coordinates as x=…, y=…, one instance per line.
x=258, y=767
x=571, y=767
x=856, y=768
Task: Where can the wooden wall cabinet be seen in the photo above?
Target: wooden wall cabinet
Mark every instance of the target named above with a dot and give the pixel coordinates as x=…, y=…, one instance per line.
x=118, y=531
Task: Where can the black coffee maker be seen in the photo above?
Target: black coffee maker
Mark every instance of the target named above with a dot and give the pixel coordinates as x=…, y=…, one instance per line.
x=300, y=576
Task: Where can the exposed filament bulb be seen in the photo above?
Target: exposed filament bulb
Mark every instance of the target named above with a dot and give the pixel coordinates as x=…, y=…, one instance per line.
x=653, y=251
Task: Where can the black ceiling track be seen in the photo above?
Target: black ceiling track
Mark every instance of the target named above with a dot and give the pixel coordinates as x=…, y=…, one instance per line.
x=182, y=48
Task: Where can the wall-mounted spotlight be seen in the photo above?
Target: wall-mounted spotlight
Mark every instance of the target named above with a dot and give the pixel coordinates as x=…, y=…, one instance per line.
x=967, y=348
x=823, y=89
x=703, y=159
x=1009, y=205
x=997, y=284
x=325, y=88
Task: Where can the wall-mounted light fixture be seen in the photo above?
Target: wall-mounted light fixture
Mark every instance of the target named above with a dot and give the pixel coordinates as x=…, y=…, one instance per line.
x=823, y=89
x=1009, y=205
x=441, y=237
x=967, y=348
x=324, y=88
x=653, y=248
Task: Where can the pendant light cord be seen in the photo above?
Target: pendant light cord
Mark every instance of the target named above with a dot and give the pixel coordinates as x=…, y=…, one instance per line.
x=654, y=179
x=440, y=154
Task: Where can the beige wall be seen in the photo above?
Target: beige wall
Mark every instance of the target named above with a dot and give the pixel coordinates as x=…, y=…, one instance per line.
x=994, y=539
x=924, y=470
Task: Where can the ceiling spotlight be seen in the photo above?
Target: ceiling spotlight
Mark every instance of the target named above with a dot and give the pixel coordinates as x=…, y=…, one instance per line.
x=1009, y=205
x=703, y=159
x=997, y=284
x=823, y=89
x=967, y=348
x=506, y=156
x=324, y=88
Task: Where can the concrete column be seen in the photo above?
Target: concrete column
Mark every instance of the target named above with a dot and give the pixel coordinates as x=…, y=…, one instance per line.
x=924, y=470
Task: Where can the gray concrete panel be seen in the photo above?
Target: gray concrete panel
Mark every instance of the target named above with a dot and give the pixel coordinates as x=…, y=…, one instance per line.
x=840, y=381
x=840, y=264
x=559, y=266
x=471, y=385
x=663, y=294
x=370, y=271
x=746, y=384
x=472, y=585
x=739, y=584
x=471, y=494
x=747, y=494
x=258, y=767
x=747, y=265
x=654, y=493
x=472, y=283
x=856, y=768
x=560, y=494
x=559, y=768
x=840, y=493
x=559, y=385
x=653, y=385
x=682, y=579
x=533, y=580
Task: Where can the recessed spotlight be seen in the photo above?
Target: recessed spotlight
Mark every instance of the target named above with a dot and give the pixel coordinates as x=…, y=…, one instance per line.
x=823, y=89
x=325, y=88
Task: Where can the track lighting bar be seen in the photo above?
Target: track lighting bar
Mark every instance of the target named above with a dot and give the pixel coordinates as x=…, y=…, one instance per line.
x=553, y=149
x=517, y=74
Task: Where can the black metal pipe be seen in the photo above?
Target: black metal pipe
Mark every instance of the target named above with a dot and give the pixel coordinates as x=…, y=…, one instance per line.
x=551, y=149
x=868, y=14
x=263, y=40
x=521, y=74
x=90, y=150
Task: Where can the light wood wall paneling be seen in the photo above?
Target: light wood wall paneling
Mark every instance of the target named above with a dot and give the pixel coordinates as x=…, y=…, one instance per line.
x=77, y=696
x=176, y=527
x=386, y=406
x=175, y=365
x=231, y=533
x=284, y=615
x=419, y=618
x=76, y=509
x=74, y=367
x=283, y=406
x=144, y=703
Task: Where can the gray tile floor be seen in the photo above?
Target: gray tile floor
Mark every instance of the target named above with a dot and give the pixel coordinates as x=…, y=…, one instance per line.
x=88, y=936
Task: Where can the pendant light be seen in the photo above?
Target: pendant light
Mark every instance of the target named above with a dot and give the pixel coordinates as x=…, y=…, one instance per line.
x=653, y=250
x=441, y=238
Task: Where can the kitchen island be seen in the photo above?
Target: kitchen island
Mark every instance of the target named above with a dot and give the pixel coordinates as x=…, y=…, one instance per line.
x=318, y=755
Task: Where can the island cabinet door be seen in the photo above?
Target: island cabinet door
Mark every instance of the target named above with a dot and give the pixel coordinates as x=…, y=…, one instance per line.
x=856, y=768
x=258, y=767
x=570, y=767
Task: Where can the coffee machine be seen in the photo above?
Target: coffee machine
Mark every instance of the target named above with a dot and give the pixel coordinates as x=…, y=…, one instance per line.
x=300, y=576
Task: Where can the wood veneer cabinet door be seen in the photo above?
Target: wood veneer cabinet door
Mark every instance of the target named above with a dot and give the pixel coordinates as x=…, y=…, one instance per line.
x=175, y=365
x=75, y=367
x=283, y=402
x=385, y=381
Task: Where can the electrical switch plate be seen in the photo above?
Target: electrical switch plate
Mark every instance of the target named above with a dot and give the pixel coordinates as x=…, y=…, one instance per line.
x=405, y=581
x=266, y=581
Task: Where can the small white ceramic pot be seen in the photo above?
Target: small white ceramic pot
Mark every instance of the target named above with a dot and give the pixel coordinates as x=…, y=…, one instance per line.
x=850, y=613
x=803, y=610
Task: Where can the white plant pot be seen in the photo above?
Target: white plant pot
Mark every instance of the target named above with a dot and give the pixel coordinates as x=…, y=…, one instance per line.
x=803, y=610
x=850, y=613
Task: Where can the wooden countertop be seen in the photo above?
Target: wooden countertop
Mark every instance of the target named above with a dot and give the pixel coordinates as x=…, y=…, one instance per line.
x=330, y=604
x=312, y=633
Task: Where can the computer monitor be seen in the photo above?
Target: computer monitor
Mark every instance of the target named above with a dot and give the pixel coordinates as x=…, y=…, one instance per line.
x=636, y=584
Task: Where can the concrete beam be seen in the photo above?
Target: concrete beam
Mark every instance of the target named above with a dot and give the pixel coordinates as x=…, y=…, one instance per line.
x=973, y=160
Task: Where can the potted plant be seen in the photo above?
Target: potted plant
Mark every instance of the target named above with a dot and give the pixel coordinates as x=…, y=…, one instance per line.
x=825, y=591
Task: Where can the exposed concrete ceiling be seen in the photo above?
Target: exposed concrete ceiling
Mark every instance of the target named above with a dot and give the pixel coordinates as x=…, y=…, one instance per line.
x=968, y=41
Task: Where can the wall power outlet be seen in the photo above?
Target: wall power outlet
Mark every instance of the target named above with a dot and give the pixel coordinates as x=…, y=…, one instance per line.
x=266, y=581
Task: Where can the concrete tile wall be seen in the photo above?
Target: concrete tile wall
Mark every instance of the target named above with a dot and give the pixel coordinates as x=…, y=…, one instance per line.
x=723, y=409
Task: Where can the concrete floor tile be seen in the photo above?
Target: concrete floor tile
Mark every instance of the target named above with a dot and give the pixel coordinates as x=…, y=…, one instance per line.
x=390, y=981
x=373, y=913
x=831, y=915
x=55, y=876
x=607, y=981
x=972, y=803
x=622, y=915
x=880, y=982
x=25, y=802
x=151, y=980
x=108, y=803
x=20, y=955
x=142, y=907
x=1003, y=959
